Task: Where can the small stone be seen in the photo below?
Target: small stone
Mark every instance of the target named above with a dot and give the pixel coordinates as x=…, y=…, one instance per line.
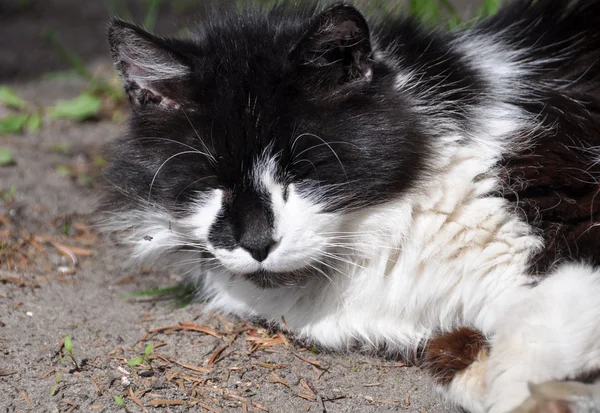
x=64, y=270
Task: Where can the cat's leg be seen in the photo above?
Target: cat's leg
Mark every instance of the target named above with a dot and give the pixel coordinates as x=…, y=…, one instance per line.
x=551, y=332
x=562, y=397
x=457, y=363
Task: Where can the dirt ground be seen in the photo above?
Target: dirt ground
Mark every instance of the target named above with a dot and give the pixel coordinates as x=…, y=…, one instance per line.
x=58, y=277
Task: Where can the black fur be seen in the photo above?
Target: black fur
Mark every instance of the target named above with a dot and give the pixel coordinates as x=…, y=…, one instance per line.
x=556, y=182
x=255, y=82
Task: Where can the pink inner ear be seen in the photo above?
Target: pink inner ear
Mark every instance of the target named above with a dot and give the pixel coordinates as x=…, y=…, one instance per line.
x=133, y=70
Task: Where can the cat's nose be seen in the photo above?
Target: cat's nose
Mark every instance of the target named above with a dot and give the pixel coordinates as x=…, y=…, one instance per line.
x=258, y=248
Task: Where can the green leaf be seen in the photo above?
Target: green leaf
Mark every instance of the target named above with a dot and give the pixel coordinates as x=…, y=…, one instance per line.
x=454, y=22
x=64, y=170
x=490, y=6
x=66, y=226
x=120, y=402
x=68, y=344
x=170, y=290
x=135, y=361
x=61, y=147
x=82, y=107
x=13, y=123
x=10, y=98
x=6, y=157
x=9, y=195
x=148, y=349
x=34, y=122
x=57, y=378
x=99, y=161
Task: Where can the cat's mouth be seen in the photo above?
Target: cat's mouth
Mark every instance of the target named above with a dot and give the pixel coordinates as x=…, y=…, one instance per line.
x=269, y=279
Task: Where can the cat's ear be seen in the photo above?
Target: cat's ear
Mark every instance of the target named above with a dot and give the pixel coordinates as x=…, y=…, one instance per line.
x=336, y=47
x=155, y=71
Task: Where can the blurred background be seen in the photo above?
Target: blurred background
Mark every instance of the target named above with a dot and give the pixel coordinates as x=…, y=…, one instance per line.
x=34, y=34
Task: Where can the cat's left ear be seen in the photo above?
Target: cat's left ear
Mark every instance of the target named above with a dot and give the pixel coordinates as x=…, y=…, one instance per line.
x=337, y=46
x=155, y=71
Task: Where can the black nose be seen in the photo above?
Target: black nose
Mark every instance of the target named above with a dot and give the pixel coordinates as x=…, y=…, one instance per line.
x=258, y=248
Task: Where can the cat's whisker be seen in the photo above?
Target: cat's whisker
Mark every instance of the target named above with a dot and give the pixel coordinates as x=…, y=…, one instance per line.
x=208, y=154
x=163, y=164
x=159, y=138
x=362, y=247
x=328, y=144
x=333, y=268
x=314, y=267
x=195, y=182
x=340, y=259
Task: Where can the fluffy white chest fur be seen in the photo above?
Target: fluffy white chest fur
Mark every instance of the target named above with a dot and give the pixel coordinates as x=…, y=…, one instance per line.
x=443, y=257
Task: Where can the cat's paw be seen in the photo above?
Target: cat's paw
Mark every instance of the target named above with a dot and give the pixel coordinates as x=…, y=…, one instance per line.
x=561, y=397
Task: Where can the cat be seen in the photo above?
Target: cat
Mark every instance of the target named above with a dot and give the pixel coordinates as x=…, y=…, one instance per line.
x=379, y=184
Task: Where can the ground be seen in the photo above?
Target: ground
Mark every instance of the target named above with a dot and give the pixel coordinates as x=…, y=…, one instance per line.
x=59, y=278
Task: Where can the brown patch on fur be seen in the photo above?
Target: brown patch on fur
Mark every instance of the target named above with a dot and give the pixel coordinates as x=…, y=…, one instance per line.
x=453, y=352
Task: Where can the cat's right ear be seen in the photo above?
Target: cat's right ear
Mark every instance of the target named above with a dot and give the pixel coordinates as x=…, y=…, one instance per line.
x=155, y=71
x=336, y=48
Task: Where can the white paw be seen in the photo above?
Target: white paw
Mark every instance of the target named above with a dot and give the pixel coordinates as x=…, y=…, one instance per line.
x=562, y=397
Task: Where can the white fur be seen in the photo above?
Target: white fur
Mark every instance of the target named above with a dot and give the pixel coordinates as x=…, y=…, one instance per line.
x=547, y=333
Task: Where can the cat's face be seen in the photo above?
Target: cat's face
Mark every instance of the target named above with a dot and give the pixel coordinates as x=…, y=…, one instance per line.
x=258, y=139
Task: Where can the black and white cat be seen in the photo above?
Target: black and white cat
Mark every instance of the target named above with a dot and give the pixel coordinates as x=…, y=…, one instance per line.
x=432, y=194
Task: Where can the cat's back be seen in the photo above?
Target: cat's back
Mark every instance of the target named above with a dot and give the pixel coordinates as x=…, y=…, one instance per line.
x=554, y=181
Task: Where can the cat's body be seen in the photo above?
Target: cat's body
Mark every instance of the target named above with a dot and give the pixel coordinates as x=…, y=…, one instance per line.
x=380, y=186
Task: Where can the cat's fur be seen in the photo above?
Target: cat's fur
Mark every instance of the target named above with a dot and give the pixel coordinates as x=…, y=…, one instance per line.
x=379, y=184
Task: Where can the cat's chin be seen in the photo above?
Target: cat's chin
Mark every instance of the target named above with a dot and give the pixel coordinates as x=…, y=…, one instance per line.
x=268, y=279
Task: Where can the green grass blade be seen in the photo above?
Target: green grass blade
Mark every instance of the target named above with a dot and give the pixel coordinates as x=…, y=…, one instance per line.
x=34, y=122
x=119, y=401
x=163, y=291
x=10, y=98
x=68, y=344
x=148, y=349
x=151, y=14
x=82, y=107
x=68, y=55
x=13, y=123
x=135, y=361
x=6, y=157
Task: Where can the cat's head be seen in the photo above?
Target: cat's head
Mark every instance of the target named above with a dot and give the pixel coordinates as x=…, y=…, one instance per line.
x=257, y=138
